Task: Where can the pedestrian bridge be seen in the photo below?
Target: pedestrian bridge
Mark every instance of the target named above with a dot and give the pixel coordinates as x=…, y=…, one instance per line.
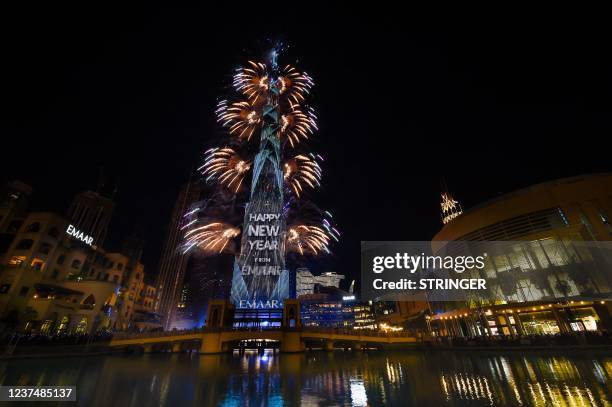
x=216, y=340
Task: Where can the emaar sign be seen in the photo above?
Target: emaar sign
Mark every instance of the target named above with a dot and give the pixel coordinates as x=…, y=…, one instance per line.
x=79, y=235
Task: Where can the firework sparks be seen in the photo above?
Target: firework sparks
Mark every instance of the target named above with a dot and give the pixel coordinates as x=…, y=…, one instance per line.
x=297, y=124
x=211, y=238
x=293, y=84
x=226, y=166
x=252, y=81
x=242, y=118
x=311, y=239
x=302, y=170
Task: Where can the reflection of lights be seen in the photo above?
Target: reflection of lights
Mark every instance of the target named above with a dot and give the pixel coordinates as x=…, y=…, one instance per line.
x=389, y=328
x=358, y=393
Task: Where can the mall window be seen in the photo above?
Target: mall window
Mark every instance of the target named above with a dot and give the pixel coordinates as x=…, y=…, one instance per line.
x=25, y=244
x=33, y=227
x=24, y=291
x=61, y=259
x=76, y=263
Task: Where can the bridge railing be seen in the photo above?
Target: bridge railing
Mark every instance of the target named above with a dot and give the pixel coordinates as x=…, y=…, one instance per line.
x=184, y=332
x=356, y=332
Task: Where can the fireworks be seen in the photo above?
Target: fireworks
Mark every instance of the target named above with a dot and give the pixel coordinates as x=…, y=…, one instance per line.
x=293, y=84
x=297, y=124
x=226, y=166
x=302, y=170
x=241, y=118
x=271, y=102
x=212, y=238
x=253, y=81
x=311, y=238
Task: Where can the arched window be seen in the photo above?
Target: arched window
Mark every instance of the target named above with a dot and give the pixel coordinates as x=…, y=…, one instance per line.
x=25, y=244
x=33, y=227
x=76, y=263
x=61, y=259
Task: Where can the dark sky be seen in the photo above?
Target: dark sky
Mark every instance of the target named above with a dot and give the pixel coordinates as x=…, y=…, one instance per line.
x=403, y=100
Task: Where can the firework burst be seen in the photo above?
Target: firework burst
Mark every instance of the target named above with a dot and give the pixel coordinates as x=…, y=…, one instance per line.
x=253, y=81
x=225, y=166
x=311, y=238
x=212, y=238
x=293, y=85
x=242, y=118
x=297, y=124
x=302, y=170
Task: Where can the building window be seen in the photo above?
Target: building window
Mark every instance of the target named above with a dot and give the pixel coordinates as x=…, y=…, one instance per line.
x=37, y=264
x=24, y=291
x=115, y=279
x=119, y=266
x=137, y=276
x=25, y=244
x=53, y=232
x=33, y=227
x=61, y=259
x=14, y=226
x=16, y=260
x=76, y=264
x=45, y=248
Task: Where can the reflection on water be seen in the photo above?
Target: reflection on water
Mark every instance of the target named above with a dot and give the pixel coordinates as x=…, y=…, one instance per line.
x=314, y=379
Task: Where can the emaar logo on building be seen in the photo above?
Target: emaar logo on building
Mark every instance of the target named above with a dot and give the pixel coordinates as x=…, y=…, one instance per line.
x=77, y=234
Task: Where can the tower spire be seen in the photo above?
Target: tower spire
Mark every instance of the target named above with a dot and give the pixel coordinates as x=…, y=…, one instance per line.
x=450, y=208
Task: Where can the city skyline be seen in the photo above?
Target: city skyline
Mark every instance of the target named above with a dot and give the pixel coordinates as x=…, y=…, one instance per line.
x=460, y=87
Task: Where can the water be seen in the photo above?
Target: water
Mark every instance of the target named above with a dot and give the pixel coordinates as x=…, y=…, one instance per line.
x=327, y=379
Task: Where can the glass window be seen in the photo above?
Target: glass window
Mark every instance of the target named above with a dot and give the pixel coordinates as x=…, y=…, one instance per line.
x=24, y=291
x=33, y=227
x=76, y=263
x=61, y=259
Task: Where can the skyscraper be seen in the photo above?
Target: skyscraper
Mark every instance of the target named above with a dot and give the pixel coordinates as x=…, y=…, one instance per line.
x=91, y=213
x=173, y=262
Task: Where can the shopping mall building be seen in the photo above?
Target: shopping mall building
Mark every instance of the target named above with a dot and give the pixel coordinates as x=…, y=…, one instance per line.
x=552, y=273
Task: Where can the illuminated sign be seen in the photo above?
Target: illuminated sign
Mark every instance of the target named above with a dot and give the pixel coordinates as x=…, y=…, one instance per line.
x=348, y=298
x=77, y=234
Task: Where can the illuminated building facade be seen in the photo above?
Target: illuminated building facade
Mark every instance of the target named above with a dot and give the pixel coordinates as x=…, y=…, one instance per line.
x=54, y=281
x=539, y=281
x=305, y=281
x=91, y=212
x=328, y=307
x=173, y=262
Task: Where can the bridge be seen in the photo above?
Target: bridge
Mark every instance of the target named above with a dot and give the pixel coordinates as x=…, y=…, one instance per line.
x=211, y=340
x=219, y=335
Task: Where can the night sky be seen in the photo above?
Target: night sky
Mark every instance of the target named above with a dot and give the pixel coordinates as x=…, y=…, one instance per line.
x=402, y=101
